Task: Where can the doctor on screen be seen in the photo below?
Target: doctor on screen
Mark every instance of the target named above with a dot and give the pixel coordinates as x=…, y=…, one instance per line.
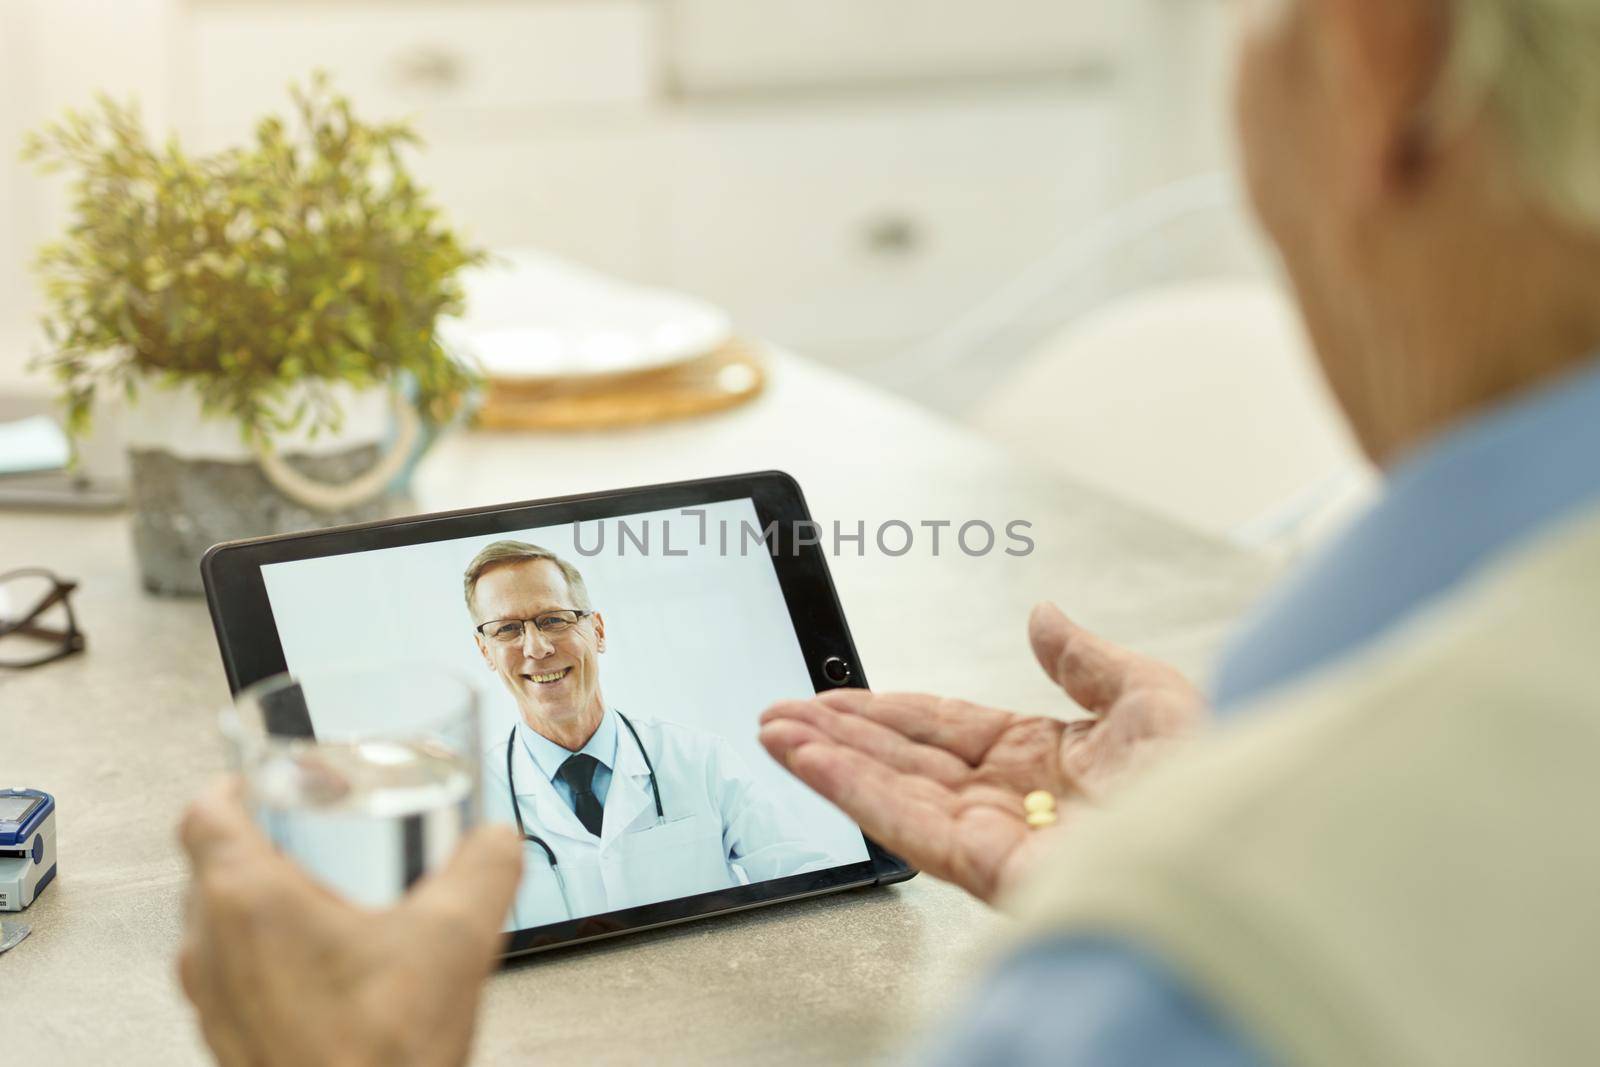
x=615, y=809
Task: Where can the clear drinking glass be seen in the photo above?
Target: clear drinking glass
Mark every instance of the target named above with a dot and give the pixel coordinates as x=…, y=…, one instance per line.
x=368, y=778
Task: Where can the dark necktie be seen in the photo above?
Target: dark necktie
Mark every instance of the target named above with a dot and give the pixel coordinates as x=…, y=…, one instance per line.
x=578, y=773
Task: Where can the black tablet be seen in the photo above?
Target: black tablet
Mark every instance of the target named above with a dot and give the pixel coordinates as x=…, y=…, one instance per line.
x=622, y=645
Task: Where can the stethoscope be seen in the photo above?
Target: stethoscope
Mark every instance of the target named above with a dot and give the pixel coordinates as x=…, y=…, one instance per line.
x=550, y=853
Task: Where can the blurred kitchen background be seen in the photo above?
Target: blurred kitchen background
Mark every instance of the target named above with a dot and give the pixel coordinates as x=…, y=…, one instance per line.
x=921, y=193
x=846, y=177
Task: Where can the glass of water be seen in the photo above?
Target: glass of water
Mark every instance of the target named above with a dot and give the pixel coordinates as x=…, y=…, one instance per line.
x=367, y=778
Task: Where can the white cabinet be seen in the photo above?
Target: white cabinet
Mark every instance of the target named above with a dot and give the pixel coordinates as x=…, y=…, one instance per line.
x=861, y=225
x=535, y=115
x=443, y=59
x=595, y=192
x=723, y=45
x=843, y=175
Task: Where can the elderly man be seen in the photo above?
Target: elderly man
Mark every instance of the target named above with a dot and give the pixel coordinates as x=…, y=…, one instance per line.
x=1384, y=854
x=584, y=780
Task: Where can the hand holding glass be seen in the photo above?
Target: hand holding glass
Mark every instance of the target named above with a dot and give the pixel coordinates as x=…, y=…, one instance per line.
x=367, y=778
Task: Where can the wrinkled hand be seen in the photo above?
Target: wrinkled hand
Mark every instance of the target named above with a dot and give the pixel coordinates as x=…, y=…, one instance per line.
x=941, y=782
x=282, y=971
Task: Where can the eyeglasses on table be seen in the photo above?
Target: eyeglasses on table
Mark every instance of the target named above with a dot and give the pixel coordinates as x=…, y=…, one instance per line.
x=37, y=623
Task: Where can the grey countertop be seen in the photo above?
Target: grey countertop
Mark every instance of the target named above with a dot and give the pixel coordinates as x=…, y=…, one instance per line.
x=125, y=734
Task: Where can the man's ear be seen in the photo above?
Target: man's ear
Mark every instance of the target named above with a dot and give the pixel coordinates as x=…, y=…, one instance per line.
x=483, y=650
x=1381, y=62
x=599, y=632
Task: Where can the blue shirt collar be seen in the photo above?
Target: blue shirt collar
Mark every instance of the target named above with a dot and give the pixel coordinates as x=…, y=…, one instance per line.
x=549, y=756
x=1455, y=504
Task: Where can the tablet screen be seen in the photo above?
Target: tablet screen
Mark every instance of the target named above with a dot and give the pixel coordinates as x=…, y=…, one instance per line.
x=622, y=664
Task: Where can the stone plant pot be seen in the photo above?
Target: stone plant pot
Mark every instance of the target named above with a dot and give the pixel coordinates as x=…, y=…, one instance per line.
x=192, y=480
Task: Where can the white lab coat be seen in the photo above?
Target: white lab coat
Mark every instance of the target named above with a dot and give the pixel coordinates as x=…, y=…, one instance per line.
x=720, y=827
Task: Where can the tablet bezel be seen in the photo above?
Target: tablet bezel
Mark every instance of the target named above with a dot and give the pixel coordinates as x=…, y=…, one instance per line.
x=247, y=637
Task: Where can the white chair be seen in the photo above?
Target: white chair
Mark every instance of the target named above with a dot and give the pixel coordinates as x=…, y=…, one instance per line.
x=1197, y=399
x=1154, y=356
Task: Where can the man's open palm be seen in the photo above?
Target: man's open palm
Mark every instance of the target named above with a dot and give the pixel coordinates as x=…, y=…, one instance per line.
x=941, y=781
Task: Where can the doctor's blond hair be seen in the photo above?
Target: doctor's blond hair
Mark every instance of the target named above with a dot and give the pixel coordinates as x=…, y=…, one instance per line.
x=1533, y=66
x=505, y=553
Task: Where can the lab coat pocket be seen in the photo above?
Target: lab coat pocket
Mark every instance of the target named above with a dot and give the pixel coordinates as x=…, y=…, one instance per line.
x=676, y=857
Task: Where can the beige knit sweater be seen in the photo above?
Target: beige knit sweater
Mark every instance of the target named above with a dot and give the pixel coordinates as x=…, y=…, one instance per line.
x=1397, y=863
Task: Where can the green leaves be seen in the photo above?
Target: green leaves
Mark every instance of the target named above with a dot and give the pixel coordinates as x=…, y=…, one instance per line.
x=310, y=256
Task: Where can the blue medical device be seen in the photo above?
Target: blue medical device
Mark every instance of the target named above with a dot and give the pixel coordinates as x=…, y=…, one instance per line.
x=27, y=846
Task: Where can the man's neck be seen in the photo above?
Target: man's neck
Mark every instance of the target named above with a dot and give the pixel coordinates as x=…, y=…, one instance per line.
x=571, y=734
x=1492, y=371
x=1493, y=313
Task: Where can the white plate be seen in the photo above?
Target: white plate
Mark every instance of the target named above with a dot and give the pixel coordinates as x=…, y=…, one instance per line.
x=533, y=317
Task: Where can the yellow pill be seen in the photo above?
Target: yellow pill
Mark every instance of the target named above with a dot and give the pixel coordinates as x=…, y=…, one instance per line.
x=1039, y=801
x=1039, y=819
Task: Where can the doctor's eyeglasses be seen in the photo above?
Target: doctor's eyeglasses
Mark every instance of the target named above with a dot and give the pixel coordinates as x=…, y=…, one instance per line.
x=511, y=631
x=37, y=625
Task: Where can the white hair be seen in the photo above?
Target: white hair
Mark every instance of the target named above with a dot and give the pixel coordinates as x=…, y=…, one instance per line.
x=1534, y=66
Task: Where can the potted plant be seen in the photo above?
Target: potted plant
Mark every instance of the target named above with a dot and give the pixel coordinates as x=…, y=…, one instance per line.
x=269, y=312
